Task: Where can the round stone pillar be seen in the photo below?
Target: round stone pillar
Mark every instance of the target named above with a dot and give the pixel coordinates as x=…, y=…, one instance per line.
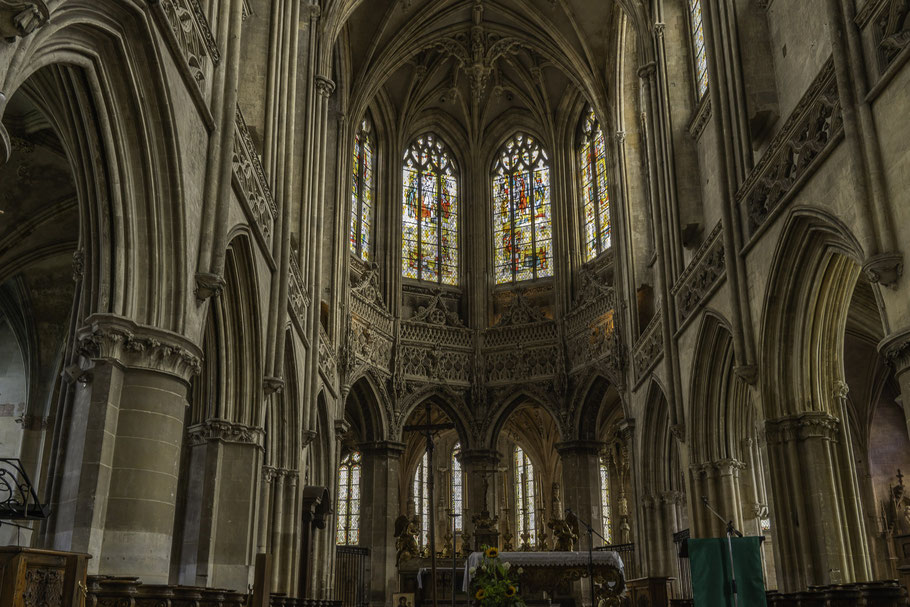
x=581, y=484
x=896, y=350
x=480, y=467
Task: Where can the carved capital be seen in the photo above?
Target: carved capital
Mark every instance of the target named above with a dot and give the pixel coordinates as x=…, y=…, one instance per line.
x=579, y=447
x=307, y=437
x=679, y=432
x=647, y=71
x=620, y=137
x=814, y=424
x=312, y=11
x=272, y=385
x=341, y=428
x=884, y=268
x=220, y=430
x=325, y=86
x=747, y=373
x=208, y=285
x=19, y=18
x=117, y=339
x=896, y=350
x=659, y=29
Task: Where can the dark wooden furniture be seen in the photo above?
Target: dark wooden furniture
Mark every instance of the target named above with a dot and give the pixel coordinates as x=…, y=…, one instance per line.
x=41, y=577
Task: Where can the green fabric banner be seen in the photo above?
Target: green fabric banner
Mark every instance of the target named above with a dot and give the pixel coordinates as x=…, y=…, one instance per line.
x=710, y=564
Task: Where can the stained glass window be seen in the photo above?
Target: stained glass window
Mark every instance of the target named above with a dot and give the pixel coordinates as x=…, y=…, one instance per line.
x=347, y=528
x=765, y=524
x=592, y=158
x=522, y=224
x=605, y=501
x=457, y=487
x=698, y=47
x=524, y=498
x=429, y=214
x=362, y=188
x=422, y=499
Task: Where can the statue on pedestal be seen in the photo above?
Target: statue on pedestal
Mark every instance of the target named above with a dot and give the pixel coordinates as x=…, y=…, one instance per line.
x=406, y=531
x=566, y=532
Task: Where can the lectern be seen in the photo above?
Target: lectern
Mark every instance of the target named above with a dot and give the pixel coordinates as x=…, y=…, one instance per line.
x=713, y=581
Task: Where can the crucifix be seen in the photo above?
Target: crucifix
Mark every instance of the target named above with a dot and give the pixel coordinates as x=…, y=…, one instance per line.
x=429, y=430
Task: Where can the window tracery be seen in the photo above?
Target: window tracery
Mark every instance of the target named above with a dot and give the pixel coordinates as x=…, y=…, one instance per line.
x=362, y=189
x=605, y=500
x=522, y=223
x=457, y=487
x=592, y=160
x=422, y=499
x=429, y=231
x=347, y=527
x=524, y=497
x=696, y=28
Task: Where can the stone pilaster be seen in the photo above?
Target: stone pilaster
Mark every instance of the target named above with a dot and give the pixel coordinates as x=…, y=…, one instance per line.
x=118, y=481
x=379, y=507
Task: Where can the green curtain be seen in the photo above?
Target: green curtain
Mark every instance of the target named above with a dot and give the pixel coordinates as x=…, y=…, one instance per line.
x=710, y=564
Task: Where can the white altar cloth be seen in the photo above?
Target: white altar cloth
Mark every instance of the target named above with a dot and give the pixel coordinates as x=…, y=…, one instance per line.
x=542, y=559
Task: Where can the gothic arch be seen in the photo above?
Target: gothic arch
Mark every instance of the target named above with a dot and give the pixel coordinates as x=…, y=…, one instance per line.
x=658, y=472
x=450, y=402
x=501, y=412
x=94, y=73
x=364, y=410
x=814, y=272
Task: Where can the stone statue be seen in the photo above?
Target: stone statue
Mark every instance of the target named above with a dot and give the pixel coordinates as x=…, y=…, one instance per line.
x=406, y=531
x=566, y=532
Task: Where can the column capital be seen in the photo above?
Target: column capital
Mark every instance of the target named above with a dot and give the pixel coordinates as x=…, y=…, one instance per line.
x=390, y=449
x=812, y=424
x=481, y=457
x=579, y=447
x=647, y=70
x=896, y=350
x=221, y=430
x=325, y=86
x=19, y=19
x=727, y=466
x=120, y=340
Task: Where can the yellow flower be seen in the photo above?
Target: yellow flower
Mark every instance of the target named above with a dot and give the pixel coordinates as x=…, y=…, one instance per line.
x=480, y=594
x=491, y=553
x=510, y=591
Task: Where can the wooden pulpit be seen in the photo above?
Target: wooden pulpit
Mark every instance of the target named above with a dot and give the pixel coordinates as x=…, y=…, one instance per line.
x=41, y=577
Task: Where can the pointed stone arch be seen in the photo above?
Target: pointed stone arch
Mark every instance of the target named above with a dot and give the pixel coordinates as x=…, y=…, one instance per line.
x=364, y=410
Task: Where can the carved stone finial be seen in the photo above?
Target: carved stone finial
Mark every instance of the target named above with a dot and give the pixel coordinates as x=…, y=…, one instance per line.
x=19, y=18
x=884, y=268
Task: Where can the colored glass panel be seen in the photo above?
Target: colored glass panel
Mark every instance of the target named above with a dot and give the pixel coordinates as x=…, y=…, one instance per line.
x=592, y=160
x=457, y=487
x=422, y=499
x=605, y=501
x=522, y=225
x=347, y=521
x=698, y=47
x=524, y=497
x=362, y=188
x=429, y=249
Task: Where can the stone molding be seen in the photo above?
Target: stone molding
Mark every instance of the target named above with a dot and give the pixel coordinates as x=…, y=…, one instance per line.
x=221, y=430
x=701, y=118
x=649, y=348
x=699, y=280
x=727, y=466
x=390, y=449
x=250, y=181
x=191, y=35
x=813, y=424
x=117, y=339
x=580, y=447
x=298, y=296
x=20, y=18
x=896, y=350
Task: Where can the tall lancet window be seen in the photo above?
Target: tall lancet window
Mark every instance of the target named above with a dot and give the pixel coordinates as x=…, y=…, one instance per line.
x=347, y=527
x=524, y=498
x=592, y=158
x=522, y=225
x=422, y=499
x=362, y=188
x=457, y=487
x=605, y=501
x=429, y=214
x=698, y=48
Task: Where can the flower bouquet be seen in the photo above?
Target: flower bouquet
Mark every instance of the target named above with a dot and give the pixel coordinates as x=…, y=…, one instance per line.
x=492, y=584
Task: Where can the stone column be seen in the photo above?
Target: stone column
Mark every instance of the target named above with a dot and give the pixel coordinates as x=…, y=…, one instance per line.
x=719, y=482
x=479, y=495
x=812, y=533
x=581, y=484
x=119, y=479
x=896, y=350
x=379, y=507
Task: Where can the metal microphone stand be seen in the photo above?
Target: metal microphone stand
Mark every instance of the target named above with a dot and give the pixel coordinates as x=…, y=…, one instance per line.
x=591, y=534
x=731, y=531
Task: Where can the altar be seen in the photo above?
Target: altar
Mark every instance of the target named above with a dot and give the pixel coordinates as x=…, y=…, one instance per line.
x=546, y=571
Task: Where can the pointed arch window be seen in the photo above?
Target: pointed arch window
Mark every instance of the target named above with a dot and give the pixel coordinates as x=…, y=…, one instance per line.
x=429, y=214
x=362, y=189
x=592, y=158
x=457, y=487
x=522, y=223
x=605, y=500
x=347, y=527
x=697, y=30
x=524, y=498
x=422, y=499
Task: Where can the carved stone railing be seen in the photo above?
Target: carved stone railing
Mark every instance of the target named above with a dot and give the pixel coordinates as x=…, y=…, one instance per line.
x=277, y=600
x=328, y=362
x=809, y=135
x=649, y=348
x=250, y=183
x=435, y=347
x=702, y=276
x=122, y=591
x=370, y=339
x=298, y=297
x=190, y=33
x=888, y=26
x=590, y=328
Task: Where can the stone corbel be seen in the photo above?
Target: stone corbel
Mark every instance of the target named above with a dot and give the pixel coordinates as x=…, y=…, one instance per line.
x=272, y=385
x=208, y=285
x=19, y=18
x=307, y=438
x=896, y=350
x=884, y=268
